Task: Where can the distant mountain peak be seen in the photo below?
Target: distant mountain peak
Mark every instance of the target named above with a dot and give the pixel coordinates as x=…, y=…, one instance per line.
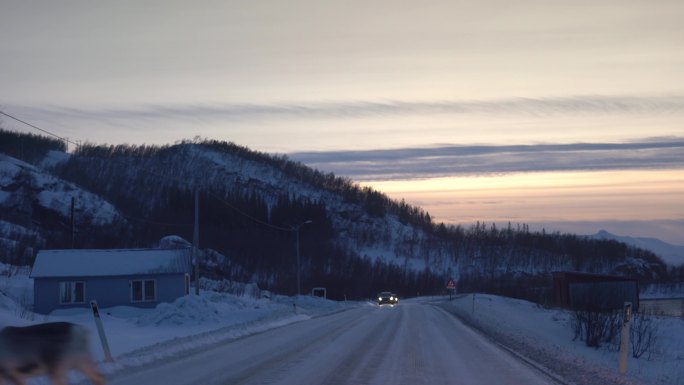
x=604, y=234
x=671, y=254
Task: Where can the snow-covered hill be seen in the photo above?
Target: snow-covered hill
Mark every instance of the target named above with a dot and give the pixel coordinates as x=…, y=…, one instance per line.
x=360, y=241
x=33, y=200
x=671, y=254
x=24, y=184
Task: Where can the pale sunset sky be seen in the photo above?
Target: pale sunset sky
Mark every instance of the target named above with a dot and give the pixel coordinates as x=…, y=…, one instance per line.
x=562, y=115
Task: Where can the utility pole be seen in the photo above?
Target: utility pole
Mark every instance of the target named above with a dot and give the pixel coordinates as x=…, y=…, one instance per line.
x=195, y=242
x=73, y=224
x=296, y=229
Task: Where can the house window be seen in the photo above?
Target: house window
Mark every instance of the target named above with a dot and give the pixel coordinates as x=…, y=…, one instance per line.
x=150, y=292
x=143, y=290
x=71, y=292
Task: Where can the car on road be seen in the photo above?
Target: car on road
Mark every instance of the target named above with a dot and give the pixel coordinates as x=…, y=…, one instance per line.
x=387, y=298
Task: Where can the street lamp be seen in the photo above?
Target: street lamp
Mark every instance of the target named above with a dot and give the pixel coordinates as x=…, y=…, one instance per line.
x=296, y=229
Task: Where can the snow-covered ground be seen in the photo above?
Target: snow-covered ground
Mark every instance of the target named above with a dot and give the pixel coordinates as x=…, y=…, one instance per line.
x=546, y=337
x=140, y=336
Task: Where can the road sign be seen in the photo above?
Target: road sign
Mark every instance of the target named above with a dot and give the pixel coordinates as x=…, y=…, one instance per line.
x=451, y=284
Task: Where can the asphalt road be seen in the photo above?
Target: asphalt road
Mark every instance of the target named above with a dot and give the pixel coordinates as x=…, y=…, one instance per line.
x=411, y=343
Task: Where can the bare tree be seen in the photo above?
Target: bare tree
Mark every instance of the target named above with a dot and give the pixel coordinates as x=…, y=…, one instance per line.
x=643, y=334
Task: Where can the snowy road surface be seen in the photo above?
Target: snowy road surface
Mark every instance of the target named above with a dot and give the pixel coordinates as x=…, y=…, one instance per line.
x=410, y=344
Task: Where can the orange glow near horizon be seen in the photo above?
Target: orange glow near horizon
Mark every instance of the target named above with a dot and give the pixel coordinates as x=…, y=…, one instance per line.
x=546, y=196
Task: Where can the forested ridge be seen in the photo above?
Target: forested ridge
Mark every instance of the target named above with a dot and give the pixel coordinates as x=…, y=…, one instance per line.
x=28, y=147
x=359, y=241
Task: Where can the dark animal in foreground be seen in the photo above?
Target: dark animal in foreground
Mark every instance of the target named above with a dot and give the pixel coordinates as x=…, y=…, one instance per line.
x=50, y=349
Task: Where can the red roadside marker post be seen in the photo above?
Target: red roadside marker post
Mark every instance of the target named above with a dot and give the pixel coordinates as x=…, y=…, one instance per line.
x=451, y=288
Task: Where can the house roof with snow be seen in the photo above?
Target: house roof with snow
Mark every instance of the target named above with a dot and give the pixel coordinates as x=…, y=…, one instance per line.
x=116, y=262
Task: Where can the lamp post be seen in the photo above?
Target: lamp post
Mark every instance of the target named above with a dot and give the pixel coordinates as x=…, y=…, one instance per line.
x=296, y=229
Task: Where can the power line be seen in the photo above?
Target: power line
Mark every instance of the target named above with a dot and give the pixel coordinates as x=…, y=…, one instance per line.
x=194, y=185
x=133, y=219
x=159, y=176
x=220, y=199
x=38, y=128
x=249, y=216
x=244, y=214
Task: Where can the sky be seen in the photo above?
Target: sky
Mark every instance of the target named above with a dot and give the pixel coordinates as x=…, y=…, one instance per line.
x=562, y=115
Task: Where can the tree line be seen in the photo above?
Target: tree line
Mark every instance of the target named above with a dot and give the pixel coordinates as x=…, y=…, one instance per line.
x=28, y=147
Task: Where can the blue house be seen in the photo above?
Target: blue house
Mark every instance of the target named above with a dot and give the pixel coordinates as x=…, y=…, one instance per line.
x=130, y=277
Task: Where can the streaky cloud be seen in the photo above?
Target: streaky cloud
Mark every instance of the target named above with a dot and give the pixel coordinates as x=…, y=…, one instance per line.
x=590, y=104
x=443, y=161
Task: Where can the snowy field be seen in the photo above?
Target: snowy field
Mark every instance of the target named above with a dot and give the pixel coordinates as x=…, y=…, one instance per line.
x=141, y=336
x=546, y=337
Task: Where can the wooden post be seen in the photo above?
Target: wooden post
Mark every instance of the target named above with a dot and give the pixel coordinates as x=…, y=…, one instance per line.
x=473, y=311
x=73, y=223
x=100, y=331
x=624, y=340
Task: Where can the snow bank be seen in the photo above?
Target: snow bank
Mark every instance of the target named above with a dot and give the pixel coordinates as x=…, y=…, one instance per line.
x=138, y=336
x=230, y=287
x=185, y=310
x=174, y=242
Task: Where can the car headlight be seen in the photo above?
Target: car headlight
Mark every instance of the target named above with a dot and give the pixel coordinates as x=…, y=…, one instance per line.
x=391, y=298
x=379, y=298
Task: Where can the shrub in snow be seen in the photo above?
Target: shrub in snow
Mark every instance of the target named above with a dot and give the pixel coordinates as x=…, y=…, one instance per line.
x=643, y=334
x=598, y=327
x=595, y=327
